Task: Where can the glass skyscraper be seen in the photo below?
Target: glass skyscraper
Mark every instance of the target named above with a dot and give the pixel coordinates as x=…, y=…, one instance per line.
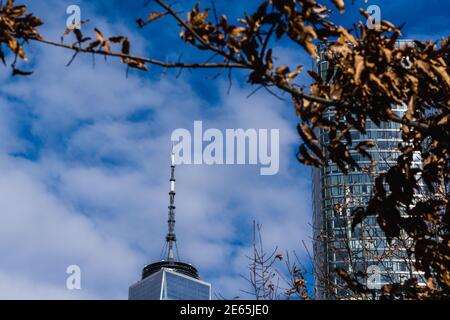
x=335, y=245
x=170, y=281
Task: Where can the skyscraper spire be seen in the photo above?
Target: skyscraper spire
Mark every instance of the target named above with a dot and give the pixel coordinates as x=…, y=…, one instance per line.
x=170, y=278
x=171, y=237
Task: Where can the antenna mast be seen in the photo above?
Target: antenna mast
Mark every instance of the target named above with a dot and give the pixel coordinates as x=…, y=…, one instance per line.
x=171, y=237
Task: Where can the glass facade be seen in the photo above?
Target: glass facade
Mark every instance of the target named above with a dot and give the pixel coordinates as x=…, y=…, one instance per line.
x=149, y=288
x=167, y=284
x=180, y=287
x=335, y=245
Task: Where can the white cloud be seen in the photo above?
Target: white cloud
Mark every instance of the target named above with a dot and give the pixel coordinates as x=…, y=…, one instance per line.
x=40, y=237
x=19, y=287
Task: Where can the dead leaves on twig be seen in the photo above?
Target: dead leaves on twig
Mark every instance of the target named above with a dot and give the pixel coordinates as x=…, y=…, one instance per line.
x=103, y=44
x=17, y=27
x=153, y=16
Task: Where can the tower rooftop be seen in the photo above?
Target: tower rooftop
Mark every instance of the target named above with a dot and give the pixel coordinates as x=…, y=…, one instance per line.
x=180, y=267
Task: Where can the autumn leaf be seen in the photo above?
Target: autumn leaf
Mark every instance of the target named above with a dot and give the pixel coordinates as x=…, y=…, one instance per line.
x=93, y=45
x=126, y=46
x=137, y=64
x=99, y=35
x=2, y=56
x=282, y=70
x=116, y=40
x=155, y=16
x=78, y=35
x=339, y=4
x=291, y=76
x=269, y=61
x=18, y=72
x=359, y=67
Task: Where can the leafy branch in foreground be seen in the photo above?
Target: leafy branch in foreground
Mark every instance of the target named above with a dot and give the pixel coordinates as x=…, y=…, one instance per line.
x=17, y=27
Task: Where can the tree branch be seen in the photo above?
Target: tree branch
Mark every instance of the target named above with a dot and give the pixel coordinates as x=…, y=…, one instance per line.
x=212, y=65
x=205, y=43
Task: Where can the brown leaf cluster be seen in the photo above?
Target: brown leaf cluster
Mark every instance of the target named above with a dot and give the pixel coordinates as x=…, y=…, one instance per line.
x=17, y=26
x=369, y=74
x=247, y=41
x=102, y=44
x=372, y=77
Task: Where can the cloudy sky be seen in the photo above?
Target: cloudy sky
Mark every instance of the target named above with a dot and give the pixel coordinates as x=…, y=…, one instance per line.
x=85, y=154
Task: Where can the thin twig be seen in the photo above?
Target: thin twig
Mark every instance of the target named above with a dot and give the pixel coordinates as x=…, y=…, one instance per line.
x=159, y=63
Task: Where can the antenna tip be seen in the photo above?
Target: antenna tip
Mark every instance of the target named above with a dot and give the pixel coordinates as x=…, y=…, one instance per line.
x=173, y=154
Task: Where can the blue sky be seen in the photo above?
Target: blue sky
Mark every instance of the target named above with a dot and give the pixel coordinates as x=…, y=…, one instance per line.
x=84, y=158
